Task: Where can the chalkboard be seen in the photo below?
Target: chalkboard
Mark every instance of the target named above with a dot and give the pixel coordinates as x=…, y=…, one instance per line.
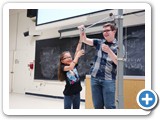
x=48, y=51
x=134, y=42
x=47, y=57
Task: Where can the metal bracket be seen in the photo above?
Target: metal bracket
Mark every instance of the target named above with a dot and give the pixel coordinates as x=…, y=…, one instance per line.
x=119, y=17
x=120, y=59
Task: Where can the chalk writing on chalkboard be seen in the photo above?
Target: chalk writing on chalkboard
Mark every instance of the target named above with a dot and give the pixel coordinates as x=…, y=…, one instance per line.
x=135, y=51
x=48, y=51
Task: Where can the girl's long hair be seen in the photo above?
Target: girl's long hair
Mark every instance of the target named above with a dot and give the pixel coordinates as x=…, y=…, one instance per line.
x=61, y=75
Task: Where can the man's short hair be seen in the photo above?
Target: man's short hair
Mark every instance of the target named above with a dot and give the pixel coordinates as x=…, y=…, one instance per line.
x=111, y=25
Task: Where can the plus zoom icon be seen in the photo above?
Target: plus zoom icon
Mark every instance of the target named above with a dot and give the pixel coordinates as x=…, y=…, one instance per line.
x=147, y=99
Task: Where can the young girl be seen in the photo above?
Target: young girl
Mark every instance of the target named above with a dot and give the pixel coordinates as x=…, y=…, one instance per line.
x=68, y=71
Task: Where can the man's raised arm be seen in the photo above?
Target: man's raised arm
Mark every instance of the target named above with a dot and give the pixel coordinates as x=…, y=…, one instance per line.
x=85, y=40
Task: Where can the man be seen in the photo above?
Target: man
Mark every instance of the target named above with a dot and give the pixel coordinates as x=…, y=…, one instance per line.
x=103, y=71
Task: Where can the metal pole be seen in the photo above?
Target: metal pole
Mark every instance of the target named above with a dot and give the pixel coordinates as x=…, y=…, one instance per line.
x=120, y=60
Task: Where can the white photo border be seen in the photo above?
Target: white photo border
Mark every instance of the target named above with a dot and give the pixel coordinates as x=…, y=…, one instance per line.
x=9, y=6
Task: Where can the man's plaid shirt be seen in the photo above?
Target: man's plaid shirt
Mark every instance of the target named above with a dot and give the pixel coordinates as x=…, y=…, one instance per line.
x=103, y=67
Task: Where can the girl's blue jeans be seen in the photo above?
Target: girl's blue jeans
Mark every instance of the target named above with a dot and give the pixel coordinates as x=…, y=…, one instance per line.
x=73, y=100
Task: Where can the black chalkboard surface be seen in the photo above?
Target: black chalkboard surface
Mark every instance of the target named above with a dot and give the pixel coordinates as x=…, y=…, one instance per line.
x=134, y=43
x=48, y=51
x=47, y=57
